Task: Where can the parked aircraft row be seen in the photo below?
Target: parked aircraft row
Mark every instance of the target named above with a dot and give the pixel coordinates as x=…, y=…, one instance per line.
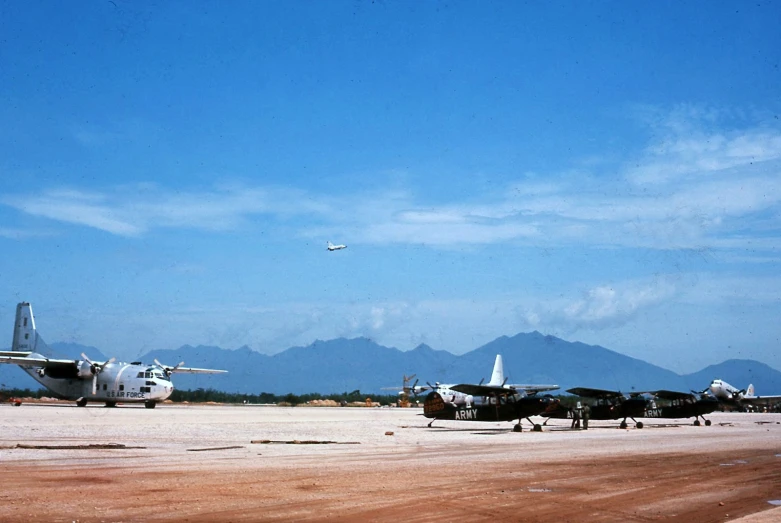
x=497, y=401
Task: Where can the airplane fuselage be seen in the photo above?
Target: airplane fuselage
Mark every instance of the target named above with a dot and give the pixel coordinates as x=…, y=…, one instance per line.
x=605, y=410
x=116, y=382
x=725, y=392
x=683, y=410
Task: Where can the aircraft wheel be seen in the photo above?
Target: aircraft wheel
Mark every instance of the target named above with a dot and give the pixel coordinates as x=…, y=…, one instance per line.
x=111, y=404
x=623, y=425
x=517, y=428
x=639, y=424
x=81, y=403
x=696, y=423
x=707, y=423
x=149, y=404
x=537, y=428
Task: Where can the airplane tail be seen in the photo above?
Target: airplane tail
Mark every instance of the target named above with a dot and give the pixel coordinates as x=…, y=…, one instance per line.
x=750, y=390
x=497, y=377
x=26, y=338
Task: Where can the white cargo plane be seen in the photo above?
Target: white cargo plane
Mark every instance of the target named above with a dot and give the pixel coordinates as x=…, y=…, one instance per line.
x=726, y=393
x=84, y=380
x=332, y=247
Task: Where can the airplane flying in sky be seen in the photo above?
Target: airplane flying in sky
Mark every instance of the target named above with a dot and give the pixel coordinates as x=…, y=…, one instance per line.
x=733, y=396
x=85, y=380
x=332, y=247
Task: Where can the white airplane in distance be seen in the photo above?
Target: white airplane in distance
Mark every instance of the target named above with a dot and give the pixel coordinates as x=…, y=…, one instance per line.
x=497, y=380
x=332, y=247
x=726, y=393
x=85, y=380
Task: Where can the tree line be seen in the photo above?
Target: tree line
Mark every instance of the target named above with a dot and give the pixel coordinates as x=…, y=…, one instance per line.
x=218, y=396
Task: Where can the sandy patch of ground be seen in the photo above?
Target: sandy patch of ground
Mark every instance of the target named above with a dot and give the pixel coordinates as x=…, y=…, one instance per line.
x=454, y=472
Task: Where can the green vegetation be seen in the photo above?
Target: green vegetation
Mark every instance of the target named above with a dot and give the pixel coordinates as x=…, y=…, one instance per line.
x=204, y=395
x=218, y=396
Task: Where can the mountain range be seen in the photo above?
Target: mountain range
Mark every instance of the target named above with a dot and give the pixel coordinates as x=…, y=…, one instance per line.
x=345, y=365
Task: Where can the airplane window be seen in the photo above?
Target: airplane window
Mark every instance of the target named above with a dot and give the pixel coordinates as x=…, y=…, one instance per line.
x=104, y=386
x=27, y=335
x=140, y=375
x=121, y=387
x=25, y=322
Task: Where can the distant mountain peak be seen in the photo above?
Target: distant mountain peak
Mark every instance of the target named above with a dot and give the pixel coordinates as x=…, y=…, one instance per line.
x=423, y=348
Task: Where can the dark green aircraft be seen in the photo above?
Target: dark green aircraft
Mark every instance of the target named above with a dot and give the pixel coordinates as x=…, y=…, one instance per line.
x=683, y=405
x=608, y=404
x=498, y=403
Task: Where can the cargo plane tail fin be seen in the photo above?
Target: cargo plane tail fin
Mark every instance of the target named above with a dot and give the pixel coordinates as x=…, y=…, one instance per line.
x=26, y=338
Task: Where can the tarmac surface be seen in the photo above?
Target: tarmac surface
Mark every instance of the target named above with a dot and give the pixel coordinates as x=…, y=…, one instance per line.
x=268, y=463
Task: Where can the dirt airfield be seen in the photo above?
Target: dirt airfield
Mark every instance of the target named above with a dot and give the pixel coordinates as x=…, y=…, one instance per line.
x=265, y=463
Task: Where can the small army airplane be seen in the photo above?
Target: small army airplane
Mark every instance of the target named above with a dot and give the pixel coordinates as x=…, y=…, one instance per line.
x=458, y=397
x=498, y=401
x=682, y=405
x=732, y=396
x=608, y=404
x=499, y=404
x=86, y=380
x=332, y=247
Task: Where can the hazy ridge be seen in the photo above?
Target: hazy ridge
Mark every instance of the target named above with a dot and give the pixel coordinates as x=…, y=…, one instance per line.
x=344, y=365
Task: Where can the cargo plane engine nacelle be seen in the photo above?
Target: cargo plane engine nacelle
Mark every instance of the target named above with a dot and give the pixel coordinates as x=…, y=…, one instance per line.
x=84, y=369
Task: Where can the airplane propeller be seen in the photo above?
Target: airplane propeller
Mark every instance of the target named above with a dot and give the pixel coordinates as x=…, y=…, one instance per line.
x=168, y=370
x=96, y=369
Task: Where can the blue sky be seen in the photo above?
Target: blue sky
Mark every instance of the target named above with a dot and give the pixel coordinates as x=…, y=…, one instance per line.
x=603, y=172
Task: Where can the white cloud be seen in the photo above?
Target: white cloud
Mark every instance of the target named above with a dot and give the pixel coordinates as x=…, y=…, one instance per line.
x=132, y=211
x=696, y=187
x=15, y=233
x=90, y=209
x=599, y=307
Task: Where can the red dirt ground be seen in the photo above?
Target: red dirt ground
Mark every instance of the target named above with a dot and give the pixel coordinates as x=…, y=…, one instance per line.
x=690, y=488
